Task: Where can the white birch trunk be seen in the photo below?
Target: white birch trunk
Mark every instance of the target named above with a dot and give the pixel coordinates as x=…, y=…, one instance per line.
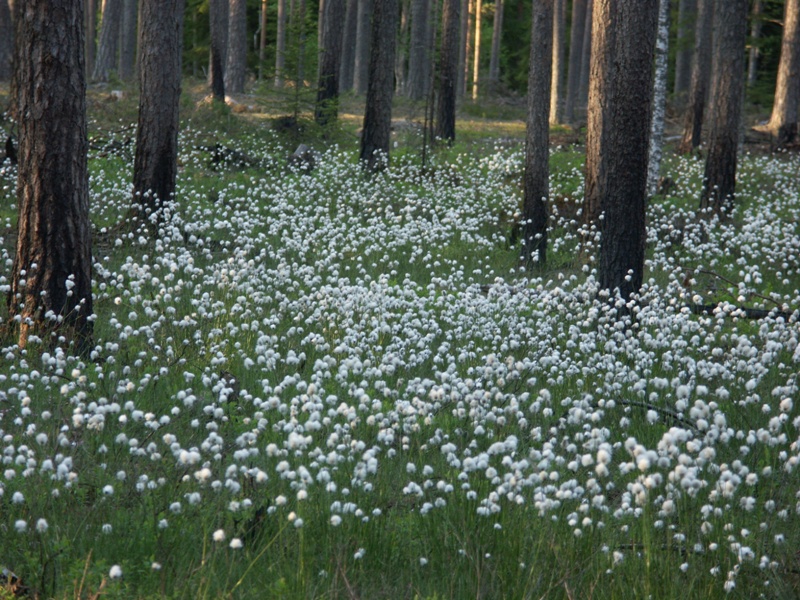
x=659, y=98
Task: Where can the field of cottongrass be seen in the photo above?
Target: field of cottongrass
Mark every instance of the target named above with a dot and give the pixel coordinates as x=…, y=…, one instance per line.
x=329, y=385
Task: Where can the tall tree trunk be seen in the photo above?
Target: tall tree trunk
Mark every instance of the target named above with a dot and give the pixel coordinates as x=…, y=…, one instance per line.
x=447, y=73
x=401, y=51
x=577, y=26
x=376, y=134
x=109, y=36
x=280, y=44
x=466, y=24
x=659, y=98
x=236, y=63
x=51, y=276
x=155, y=164
x=127, y=40
x=754, y=52
x=497, y=35
x=476, y=63
x=783, y=122
x=6, y=41
x=347, y=66
x=91, y=34
x=727, y=91
x=557, y=70
x=298, y=28
x=624, y=35
x=586, y=54
x=363, y=44
x=327, y=109
x=218, y=25
x=701, y=74
x=537, y=138
x=419, y=57
x=15, y=9
x=262, y=40
x=687, y=12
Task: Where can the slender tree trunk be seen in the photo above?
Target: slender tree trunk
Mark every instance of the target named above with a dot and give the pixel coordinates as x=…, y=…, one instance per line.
x=687, y=12
x=280, y=44
x=701, y=74
x=51, y=276
x=557, y=70
x=109, y=36
x=346, y=72
x=577, y=26
x=783, y=122
x=476, y=64
x=298, y=27
x=127, y=40
x=376, y=134
x=419, y=57
x=624, y=35
x=466, y=23
x=327, y=109
x=6, y=41
x=218, y=24
x=363, y=43
x=537, y=138
x=447, y=73
x=497, y=34
x=727, y=91
x=659, y=98
x=91, y=34
x=236, y=63
x=401, y=52
x=754, y=52
x=262, y=40
x=586, y=54
x=155, y=164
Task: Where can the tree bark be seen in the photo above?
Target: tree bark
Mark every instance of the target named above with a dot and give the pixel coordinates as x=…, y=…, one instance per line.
x=109, y=36
x=218, y=25
x=280, y=44
x=537, y=138
x=577, y=26
x=557, y=70
x=783, y=122
x=156, y=161
x=236, y=63
x=727, y=91
x=465, y=43
x=51, y=284
x=586, y=54
x=327, y=109
x=363, y=44
x=687, y=12
x=376, y=134
x=497, y=35
x=476, y=63
x=6, y=41
x=447, y=73
x=346, y=72
x=401, y=51
x=754, y=52
x=262, y=41
x=701, y=74
x=127, y=40
x=624, y=33
x=91, y=34
x=419, y=57
x=659, y=98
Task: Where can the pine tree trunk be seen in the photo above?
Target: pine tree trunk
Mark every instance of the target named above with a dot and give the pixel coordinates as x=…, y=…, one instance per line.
x=783, y=122
x=624, y=35
x=91, y=34
x=537, y=138
x=753, y=52
x=127, y=40
x=465, y=44
x=262, y=41
x=497, y=35
x=363, y=43
x=586, y=53
x=347, y=65
x=401, y=51
x=687, y=12
x=156, y=161
x=376, y=134
x=236, y=63
x=701, y=74
x=727, y=91
x=447, y=73
x=6, y=41
x=659, y=98
x=327, y=109
x=218, y=24
x=419, y=57
x=109, y=36
x=51, y=278
x=280, y=44
x=577, y=26
x=557, y=70
x=476, y=63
